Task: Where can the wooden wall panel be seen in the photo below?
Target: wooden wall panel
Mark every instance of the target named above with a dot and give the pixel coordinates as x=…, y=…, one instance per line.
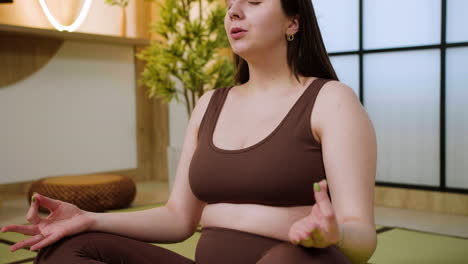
x=22, y=55
x=143, y=18
x=161, y=140
x=440, y=202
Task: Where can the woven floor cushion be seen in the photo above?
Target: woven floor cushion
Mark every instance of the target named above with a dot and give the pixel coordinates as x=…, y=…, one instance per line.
x=91, y=192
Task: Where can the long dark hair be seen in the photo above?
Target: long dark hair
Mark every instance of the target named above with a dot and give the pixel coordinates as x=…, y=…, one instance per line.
x=306, y=53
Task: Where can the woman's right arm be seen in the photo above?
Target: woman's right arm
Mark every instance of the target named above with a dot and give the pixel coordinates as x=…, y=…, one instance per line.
x=179, y=218
x=174, y=222
x=159, y=224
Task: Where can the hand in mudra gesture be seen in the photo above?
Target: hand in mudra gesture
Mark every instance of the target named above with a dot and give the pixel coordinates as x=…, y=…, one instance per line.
x=64, y=219
x=320, y=228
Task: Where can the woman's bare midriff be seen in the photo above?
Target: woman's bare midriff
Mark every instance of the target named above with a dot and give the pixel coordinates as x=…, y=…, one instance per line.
x=269, y=221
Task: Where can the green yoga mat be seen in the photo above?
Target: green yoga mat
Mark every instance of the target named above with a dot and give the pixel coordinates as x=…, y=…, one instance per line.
x=405, y=246
x=8, y=257
x=395, y=246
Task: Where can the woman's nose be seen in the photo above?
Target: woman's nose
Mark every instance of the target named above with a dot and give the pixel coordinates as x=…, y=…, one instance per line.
x=235, y=11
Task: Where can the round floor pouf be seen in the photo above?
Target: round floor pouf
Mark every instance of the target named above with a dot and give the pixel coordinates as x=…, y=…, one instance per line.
x=91, y=192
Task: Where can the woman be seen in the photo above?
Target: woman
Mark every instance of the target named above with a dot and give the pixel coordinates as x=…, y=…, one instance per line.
x=251, y=155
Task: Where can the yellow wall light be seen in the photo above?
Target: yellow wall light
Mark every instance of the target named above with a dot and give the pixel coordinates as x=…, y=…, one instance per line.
x=76, y=24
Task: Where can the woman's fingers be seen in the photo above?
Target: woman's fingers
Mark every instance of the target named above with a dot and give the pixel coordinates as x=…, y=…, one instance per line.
x=317, y=236
x=28, y=230
x=298, y=232
x=32, y=215
x=317, y=228
x=26, y=243
x=47, y=202
x=316, y=214
x=308, y=240
x=325, y=224
x=323, y=201
x=46, y=241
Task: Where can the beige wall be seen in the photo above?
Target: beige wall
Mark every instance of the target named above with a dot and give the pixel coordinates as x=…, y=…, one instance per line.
x=151, y=115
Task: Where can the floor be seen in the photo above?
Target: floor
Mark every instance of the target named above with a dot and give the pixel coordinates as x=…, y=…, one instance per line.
x=13, y=211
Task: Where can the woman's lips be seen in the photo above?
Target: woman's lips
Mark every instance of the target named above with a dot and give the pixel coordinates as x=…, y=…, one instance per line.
x=238, y=35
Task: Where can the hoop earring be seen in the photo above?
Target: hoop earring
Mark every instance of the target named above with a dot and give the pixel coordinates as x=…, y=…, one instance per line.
x=290, y=38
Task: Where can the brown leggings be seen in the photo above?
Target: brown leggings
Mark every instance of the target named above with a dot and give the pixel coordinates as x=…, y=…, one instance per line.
x=216, y=245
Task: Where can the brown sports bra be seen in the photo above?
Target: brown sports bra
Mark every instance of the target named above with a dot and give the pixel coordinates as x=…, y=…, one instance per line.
x=280, y=170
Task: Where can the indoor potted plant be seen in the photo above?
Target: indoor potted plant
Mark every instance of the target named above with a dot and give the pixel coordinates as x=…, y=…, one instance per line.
x=192, y=48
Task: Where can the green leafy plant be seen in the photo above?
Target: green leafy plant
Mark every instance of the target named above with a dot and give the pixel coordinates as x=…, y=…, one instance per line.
x=121, y=3
x=189, y=51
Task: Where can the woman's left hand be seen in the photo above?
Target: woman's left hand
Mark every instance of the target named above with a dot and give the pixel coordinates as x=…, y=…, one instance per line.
x=320, y=228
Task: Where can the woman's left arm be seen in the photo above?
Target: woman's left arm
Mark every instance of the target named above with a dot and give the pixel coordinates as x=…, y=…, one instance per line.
x=349, y=152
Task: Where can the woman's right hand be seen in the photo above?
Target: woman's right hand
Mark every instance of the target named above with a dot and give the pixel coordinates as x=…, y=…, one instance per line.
x=65, y=219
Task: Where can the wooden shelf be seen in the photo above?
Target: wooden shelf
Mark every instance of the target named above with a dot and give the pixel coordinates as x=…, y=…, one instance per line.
x=49, y=33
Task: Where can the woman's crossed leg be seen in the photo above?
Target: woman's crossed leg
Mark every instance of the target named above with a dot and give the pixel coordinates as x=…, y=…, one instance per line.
x=99, y=248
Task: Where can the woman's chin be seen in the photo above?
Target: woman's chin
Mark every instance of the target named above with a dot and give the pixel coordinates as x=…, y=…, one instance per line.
x=241, y=51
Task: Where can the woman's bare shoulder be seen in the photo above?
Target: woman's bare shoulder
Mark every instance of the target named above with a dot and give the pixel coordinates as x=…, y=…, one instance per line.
x=337, y=91
x=201, y=107
x=334, y=99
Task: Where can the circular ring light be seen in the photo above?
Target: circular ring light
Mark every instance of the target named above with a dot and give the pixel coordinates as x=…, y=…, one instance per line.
x=81, y=17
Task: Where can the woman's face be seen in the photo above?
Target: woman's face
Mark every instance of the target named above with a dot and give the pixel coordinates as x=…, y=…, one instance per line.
x=263, y=23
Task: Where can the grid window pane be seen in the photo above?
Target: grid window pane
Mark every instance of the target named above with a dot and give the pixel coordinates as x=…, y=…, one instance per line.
x=457, y=21
x=402, y=97
x=401, y=23
x=347, y=69
x=339, y=26
x=457, y=118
